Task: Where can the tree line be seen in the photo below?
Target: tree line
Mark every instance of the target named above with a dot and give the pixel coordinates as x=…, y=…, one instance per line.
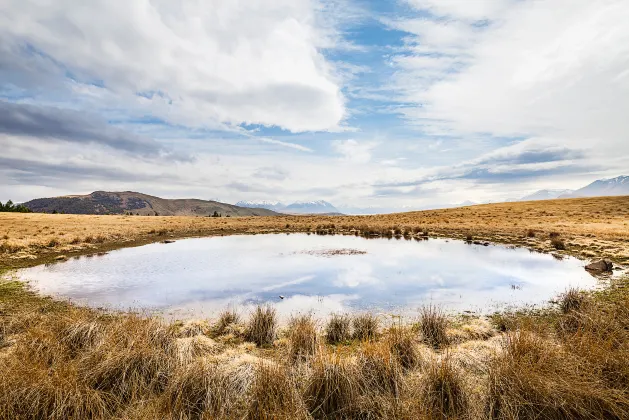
x=10, y=207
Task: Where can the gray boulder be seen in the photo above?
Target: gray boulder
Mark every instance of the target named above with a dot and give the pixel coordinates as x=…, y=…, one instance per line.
x=602, y=265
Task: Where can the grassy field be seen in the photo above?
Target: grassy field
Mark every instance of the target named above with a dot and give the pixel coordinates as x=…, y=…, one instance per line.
x=589, y=227
x=571, y=360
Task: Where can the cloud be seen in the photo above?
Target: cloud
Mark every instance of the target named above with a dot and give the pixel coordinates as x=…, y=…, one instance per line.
x=191, y=62
x=71, y=126
x=555, y=69
x=354, y=151
x=273, y=173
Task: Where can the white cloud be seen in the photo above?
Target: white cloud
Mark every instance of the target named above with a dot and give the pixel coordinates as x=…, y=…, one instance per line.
x=555, y=69
x=198, y=62
x=354, y=151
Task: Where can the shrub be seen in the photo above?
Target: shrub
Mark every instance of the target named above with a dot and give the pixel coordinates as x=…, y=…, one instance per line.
x=302, y=337
x=262, y=326
x=530, y=233
x=433, y=324
x=366, y=327
x=338, y=329
x=54, y=242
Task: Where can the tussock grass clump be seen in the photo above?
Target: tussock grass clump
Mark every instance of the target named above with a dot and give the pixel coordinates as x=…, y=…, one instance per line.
x=558, y=244
x=442, y=391
x=136, y=356
x=225, y=319
x=302, y=337
x=535, y=378
x=202, y=389
x=337, y=329
x=401, y=343
x=29, y=391
x=262, y=326
x=433, y=324
x=366, y=327
x=572, y=300
x=274, y=395
x=193, y=328
x=333, y=386
x=380, y=370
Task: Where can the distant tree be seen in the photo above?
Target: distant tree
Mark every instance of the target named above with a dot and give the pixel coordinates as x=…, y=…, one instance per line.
x=55, y=211
x=10, y=207
x=216, y=214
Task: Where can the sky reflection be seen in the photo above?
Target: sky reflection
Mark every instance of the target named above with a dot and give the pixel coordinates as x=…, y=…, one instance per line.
x=199, y=277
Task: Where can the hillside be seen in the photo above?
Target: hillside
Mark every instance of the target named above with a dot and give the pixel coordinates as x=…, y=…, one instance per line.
x=102, y=202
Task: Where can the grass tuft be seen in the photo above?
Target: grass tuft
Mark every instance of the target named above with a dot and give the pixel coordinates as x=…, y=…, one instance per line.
x=337, y=329
x=442, y=393
x=332, y=389
x=302, y=338
x=366, y=327
x=274, y=395
x=262, y=326
x=433, y=324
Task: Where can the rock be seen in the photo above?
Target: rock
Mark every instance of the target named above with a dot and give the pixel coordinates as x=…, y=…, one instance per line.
x=61, y=258
x=167, y=241
x=602, y=265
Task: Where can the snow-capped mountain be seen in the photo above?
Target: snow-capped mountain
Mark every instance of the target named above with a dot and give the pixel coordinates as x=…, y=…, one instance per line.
x=261, y=204
x=310, y=207
x=603, y=187
x=299, y=207
x=545, y=195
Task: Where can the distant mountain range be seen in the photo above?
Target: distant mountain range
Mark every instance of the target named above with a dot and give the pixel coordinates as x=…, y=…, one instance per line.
x=103, y=202
x=299, y=207
x=546, y=195
x=600, y=188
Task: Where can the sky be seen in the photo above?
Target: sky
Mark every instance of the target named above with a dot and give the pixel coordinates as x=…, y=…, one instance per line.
x=363, y=103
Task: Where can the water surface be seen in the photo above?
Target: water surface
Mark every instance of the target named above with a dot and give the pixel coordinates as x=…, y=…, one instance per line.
x=200, y=277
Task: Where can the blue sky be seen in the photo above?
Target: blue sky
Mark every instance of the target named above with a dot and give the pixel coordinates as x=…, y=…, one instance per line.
x=364, y=103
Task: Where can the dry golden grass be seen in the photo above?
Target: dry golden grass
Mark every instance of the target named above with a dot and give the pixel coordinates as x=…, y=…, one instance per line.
x=587, y=227
x=61, y=361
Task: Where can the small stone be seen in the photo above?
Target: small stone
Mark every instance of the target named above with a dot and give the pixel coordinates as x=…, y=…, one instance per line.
x=167, y=241
x=602, y=265
x=61, y=258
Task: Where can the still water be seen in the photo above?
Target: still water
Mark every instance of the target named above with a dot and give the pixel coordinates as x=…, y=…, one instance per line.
x=321, y=274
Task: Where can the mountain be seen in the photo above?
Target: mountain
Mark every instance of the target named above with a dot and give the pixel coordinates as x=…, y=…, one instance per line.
x=310, y=207
x=103, y=202
x=262, y=204
x=603, y=187
x=545, y=195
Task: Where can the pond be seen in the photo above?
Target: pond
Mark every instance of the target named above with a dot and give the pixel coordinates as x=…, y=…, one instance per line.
x=321, y=274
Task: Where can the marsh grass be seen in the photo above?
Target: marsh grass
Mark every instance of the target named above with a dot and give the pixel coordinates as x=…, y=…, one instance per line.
x=226, y=318
x=366, y=327
x=532, y=377
x=442, y=391
x=262, y=326
x=333, y=387
x=572, y=300
x=202, y=389
x=401, y=343
x=66, y=362
x=302, y=338
x=274, y=395
x=433, y=325
x=338, y=329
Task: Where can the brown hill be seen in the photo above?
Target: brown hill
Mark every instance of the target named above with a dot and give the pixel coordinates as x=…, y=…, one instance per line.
x=103, y=202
